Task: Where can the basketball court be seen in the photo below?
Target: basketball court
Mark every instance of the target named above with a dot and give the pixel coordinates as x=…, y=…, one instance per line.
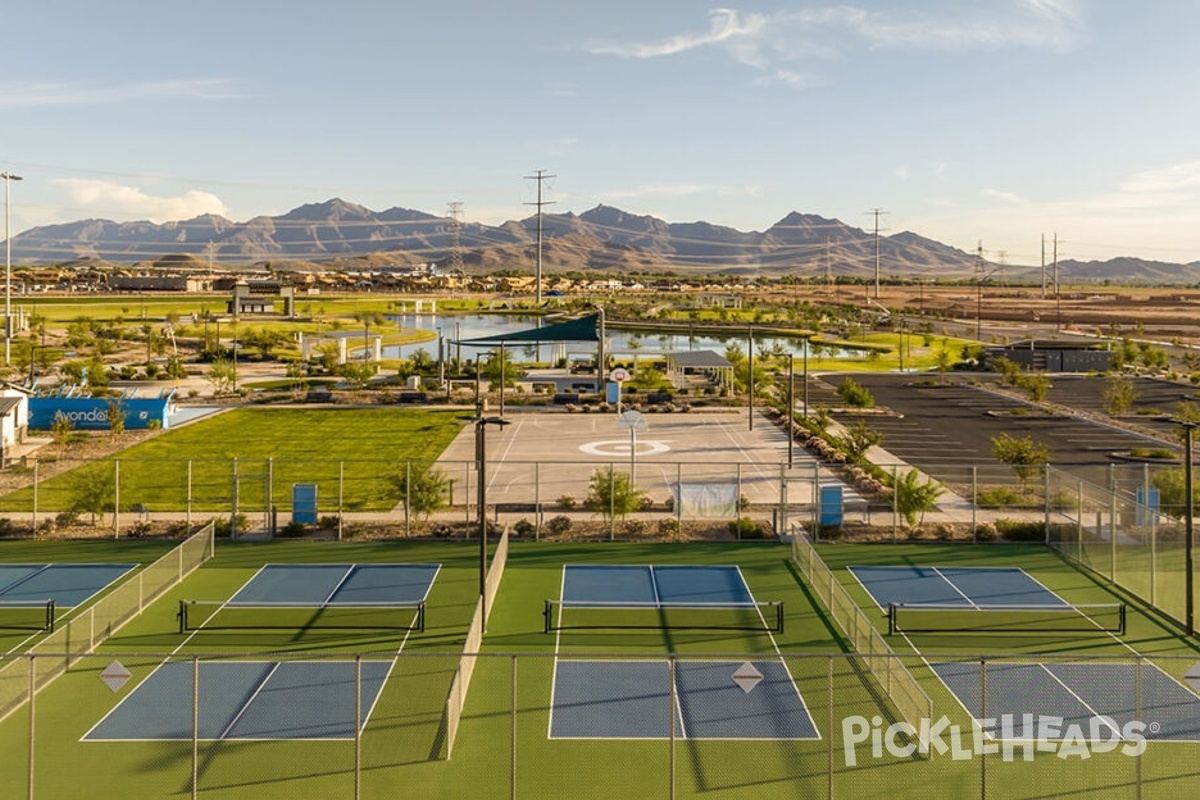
x=540, y=457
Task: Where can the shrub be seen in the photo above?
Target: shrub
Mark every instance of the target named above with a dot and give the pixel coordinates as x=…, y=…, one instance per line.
x=559, y=525
x=1021, y=530
x=668, y=527
x=566, y=501
x=66, y=519
x=854, y=394
x=746, y=528
x=293, y=528
x=634, y=527
x=221, y=526
x=523, y=527
x=998, y=497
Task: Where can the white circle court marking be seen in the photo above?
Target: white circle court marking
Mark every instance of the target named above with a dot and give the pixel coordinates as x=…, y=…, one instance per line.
x=620, y=447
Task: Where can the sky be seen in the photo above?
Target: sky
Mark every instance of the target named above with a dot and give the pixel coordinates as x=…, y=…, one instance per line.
x=989, y=123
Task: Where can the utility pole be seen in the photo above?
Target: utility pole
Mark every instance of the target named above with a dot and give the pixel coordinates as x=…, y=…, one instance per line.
x=456, y=256
x=1043, y=266
x=8, y=178
x=539, y=176
x=877, y=212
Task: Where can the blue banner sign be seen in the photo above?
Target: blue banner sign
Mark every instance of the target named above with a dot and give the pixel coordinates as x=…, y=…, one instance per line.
x=91, y=413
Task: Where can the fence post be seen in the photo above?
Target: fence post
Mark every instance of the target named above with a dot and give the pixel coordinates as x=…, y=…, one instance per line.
x=341, y=489
x=269, y=500
x=895, y=505
x=513, y=733
x=116, y=498
x=233, y=504
x=35, y=493
x=189, y=494
x=407, y=495
x=783, y=509
x=32, y=706
x=537, y=501
x=1046, y=499
x=357, y=725
x=974, y=504
x=195, y=725
x=612, y=531
x=678, y=496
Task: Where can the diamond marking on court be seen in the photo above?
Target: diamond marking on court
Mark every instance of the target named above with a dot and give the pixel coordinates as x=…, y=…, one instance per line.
x=1192, y=676
x=747, y=677
x=115, y=675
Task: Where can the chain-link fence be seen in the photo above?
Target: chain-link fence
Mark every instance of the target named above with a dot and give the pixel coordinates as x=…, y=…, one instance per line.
x=158, y=725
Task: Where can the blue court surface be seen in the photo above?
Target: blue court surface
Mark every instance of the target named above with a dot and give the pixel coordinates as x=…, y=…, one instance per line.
x=713, y=700
x=1076, y=692
x=68, y=585
x=337, y=584
x=643, y=586
x=969, y=587
x=246, y=700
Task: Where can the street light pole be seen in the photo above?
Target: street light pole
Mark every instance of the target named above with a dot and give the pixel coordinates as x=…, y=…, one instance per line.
x=481, y=423
x=8, y=179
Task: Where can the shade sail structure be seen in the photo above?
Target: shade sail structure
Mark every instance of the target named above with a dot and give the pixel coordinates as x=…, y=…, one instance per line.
x=584, y=329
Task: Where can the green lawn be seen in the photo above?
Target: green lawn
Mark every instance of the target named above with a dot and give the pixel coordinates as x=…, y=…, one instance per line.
x=362, y=445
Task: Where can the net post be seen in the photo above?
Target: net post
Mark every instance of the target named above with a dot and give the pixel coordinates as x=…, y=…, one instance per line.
x=891, y=615
x=779, y=617
x=182, y=616
x=50, y=614
x=421, y=617
x=1121, y=618
x=546, y=616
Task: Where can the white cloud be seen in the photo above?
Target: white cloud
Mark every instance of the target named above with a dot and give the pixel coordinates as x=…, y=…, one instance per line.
x=1004, y=197
x=109, y=199
x=19, y=94
x=768, y=41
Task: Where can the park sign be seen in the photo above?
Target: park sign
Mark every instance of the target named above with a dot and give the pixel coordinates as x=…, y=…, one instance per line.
x=91, y=413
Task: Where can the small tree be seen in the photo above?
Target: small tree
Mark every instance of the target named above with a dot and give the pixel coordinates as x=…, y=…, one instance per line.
x=858, y=439
x=357, y=373
x=1119, y=395
x=62, y=429
x=93, y=490
x=1025, y=456
x=1035, y=385
x=222, y=376
x=114, y=414
x=855, y=395
x=911, y=498
x=613, y=494
x=423, y=491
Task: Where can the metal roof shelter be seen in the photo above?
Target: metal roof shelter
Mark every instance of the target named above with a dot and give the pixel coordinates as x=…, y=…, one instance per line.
x=714, y=366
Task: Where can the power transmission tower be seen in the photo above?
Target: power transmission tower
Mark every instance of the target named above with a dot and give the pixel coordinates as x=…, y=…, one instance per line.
x=877, y=212
x=456, y=254
x=539, y=176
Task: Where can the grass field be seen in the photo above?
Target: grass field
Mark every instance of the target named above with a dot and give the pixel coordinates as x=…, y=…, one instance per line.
x=503, y=744
x=305, y=446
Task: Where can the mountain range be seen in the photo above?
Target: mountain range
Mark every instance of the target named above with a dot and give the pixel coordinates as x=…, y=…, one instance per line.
x=337, y=234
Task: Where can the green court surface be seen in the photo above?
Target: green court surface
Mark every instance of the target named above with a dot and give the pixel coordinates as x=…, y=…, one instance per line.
x=506, y=744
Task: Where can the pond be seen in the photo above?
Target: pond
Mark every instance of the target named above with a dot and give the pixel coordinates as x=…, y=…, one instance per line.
x=621, y=344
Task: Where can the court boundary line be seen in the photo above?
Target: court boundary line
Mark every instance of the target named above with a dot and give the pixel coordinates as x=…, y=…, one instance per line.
x=671, y=657
x=173, y=656
x=975, y=721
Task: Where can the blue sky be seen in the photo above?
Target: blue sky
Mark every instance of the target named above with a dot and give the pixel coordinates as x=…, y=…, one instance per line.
x=993, y=121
